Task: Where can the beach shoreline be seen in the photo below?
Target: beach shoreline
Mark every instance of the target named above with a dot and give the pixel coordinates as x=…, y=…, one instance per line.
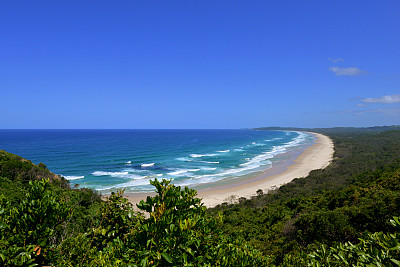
x=316, y=156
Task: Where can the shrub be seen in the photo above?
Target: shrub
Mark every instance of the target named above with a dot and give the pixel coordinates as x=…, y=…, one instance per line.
x=28, y=230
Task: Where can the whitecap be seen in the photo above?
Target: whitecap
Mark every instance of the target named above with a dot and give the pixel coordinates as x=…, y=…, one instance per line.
x=132, y=183
x=102, y=173
x=150, y=176
x=298, y=140
x=223, y=151
x=202, y=155
x=245, y=168
x=124, y=175
x=144, y=165
x=263, y=159
x=177, y=172
x=182, y=171
x=135, y=170
x=71, y=177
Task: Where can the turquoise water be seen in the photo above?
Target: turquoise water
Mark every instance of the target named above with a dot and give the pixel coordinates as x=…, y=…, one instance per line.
x=110, y=159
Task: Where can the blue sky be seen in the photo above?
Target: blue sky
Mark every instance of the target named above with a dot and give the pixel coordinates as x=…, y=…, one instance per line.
x=199, y=64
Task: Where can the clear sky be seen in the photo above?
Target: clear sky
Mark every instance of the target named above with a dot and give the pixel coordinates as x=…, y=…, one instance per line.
x=199, y=64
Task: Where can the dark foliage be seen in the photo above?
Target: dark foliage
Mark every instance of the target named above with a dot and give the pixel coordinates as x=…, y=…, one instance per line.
x=16, y=168
x=356, y=194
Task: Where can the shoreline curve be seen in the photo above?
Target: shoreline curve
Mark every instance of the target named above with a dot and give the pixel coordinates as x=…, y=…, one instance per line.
x=317, y=156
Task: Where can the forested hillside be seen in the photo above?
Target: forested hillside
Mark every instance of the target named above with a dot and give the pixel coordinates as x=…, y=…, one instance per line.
x=357, y=194
x=344, y=214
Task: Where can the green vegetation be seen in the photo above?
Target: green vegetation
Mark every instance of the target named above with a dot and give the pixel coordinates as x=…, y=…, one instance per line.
x=50, y=225
x=358, y=194
x=345, y=214
x=376, y=249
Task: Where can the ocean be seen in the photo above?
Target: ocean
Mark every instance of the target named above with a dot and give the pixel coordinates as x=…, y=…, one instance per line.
x=107, y=160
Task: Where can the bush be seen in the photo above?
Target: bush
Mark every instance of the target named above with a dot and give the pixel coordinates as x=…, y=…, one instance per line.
x=28, y=230
x=377, y=249
x=177, y=232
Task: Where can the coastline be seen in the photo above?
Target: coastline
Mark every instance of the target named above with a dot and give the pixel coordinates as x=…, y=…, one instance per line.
x=317, y=156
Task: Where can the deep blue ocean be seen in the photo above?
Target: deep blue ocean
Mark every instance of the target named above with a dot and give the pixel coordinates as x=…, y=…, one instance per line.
x=110, y=159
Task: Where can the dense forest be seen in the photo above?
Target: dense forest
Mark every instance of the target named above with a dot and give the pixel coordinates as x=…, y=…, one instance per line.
x=356, y=195
x=345, y=214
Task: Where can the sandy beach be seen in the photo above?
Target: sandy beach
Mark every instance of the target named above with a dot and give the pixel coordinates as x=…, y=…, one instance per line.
x=317, y=156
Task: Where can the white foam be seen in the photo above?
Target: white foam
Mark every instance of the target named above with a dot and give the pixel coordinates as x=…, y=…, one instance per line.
x=298, y=140
x=128, y=162
x=124, y=175
x=208, y=168
x=132, y=183
x=256, y=163
x=202, y=155
x=113, y=174
x=147, y=165
x=71, y=177
x=177, y=172
x=263, y=158
x=150, y=176
x=182, y=171
x=247, y=167
x=135, y=170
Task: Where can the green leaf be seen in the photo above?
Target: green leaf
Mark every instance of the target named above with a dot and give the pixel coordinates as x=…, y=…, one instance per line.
x=103, y=231
x=189, y=250
x=166, y=256
x=185, y=257
x=396, y=262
